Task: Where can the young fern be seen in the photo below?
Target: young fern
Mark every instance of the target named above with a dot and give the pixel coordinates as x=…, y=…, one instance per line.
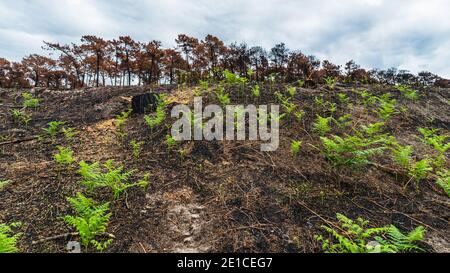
x=275, y=117
x=160, y=116
x=53, y=128
x=91, y=220
x=203, y=85
x=343, y=99
x=373, y=129
x=365, y=96
x=264, y=118
x=120, y=121
x=295, y=147
x=386, y=107
x=356, y=150
x=170, y=142
x=427, y=133
x=299, y=115
x=402, y=156
x=196, y=121
x=399, y=242
x=230, y=78
x=443, y=181
x=15, y=114
x=353, y=240
x=256, y=91
x=29, y=101
x=153, y=121
x=271, y=79
x=69, y=133
x=344, y=121
x=223, y=97
x=358, y=238
x=432, y=138
x=20, y=116
x=408, y=92
x=420, y=169
x=289, y=107
x=319, y=101
x=322, y=125
x=114, y=178
x=351, y=151
x=64, y=157
x=239, y=118
x=291, y=91
x=122, y=118
x=330, y=82
x=332, y=107
x=157, y=119
x=144, y=182
x=250, y=73
x=416, y=170
x=4, y=183
x=136, y=147
x=242, y=82
x=4, y=138
x=8, y=240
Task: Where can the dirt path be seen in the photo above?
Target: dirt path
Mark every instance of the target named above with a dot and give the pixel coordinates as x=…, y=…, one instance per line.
x=184, y=224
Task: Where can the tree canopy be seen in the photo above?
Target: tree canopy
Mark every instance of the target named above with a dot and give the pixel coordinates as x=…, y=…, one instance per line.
x=98, y=62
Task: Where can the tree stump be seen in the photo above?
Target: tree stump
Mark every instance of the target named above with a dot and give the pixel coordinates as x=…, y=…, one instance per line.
x=144, y=103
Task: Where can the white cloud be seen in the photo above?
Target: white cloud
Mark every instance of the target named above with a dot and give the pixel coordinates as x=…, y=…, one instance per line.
x=413, y=35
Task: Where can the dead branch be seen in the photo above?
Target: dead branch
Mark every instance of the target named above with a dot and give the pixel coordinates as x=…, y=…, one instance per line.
x=19, y=140
x=73, y=234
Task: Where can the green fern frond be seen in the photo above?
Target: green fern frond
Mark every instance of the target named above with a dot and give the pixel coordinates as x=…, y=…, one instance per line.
x=402, y=156
x=91, y=219
x=8, y=240
x=405, y=243
x=357, y=238
x=443, y=181
x=322, y=125
x=113, y=177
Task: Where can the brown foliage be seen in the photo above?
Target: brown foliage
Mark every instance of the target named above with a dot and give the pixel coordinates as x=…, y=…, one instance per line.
x=124, y=61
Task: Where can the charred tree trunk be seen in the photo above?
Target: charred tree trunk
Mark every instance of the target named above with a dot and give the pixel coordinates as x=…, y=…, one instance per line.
x=97, y=69
x=144, y=103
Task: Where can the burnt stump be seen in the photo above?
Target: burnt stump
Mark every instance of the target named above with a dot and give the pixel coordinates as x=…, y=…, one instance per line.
x=144, y=103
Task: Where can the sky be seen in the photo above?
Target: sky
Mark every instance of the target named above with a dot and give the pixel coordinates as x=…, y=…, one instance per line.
x=406, y=34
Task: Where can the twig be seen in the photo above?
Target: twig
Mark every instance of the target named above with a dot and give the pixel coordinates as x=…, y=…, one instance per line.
x=143, y=248
x=320, y=217
x=257, y=226
x=11, y=106
x=406, y=215
x=56, y=237
x=19, y=140
x=301, y=174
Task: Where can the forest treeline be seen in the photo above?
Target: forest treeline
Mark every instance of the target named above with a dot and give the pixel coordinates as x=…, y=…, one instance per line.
x=121, y=62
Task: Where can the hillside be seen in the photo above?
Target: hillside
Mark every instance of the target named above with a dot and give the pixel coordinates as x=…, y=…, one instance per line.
x=227, y=196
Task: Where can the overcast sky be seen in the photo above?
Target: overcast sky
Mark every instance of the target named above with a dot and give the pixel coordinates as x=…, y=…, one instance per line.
x=407, y=34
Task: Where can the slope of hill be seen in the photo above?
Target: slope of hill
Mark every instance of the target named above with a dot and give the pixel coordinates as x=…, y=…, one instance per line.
x=226, y=195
